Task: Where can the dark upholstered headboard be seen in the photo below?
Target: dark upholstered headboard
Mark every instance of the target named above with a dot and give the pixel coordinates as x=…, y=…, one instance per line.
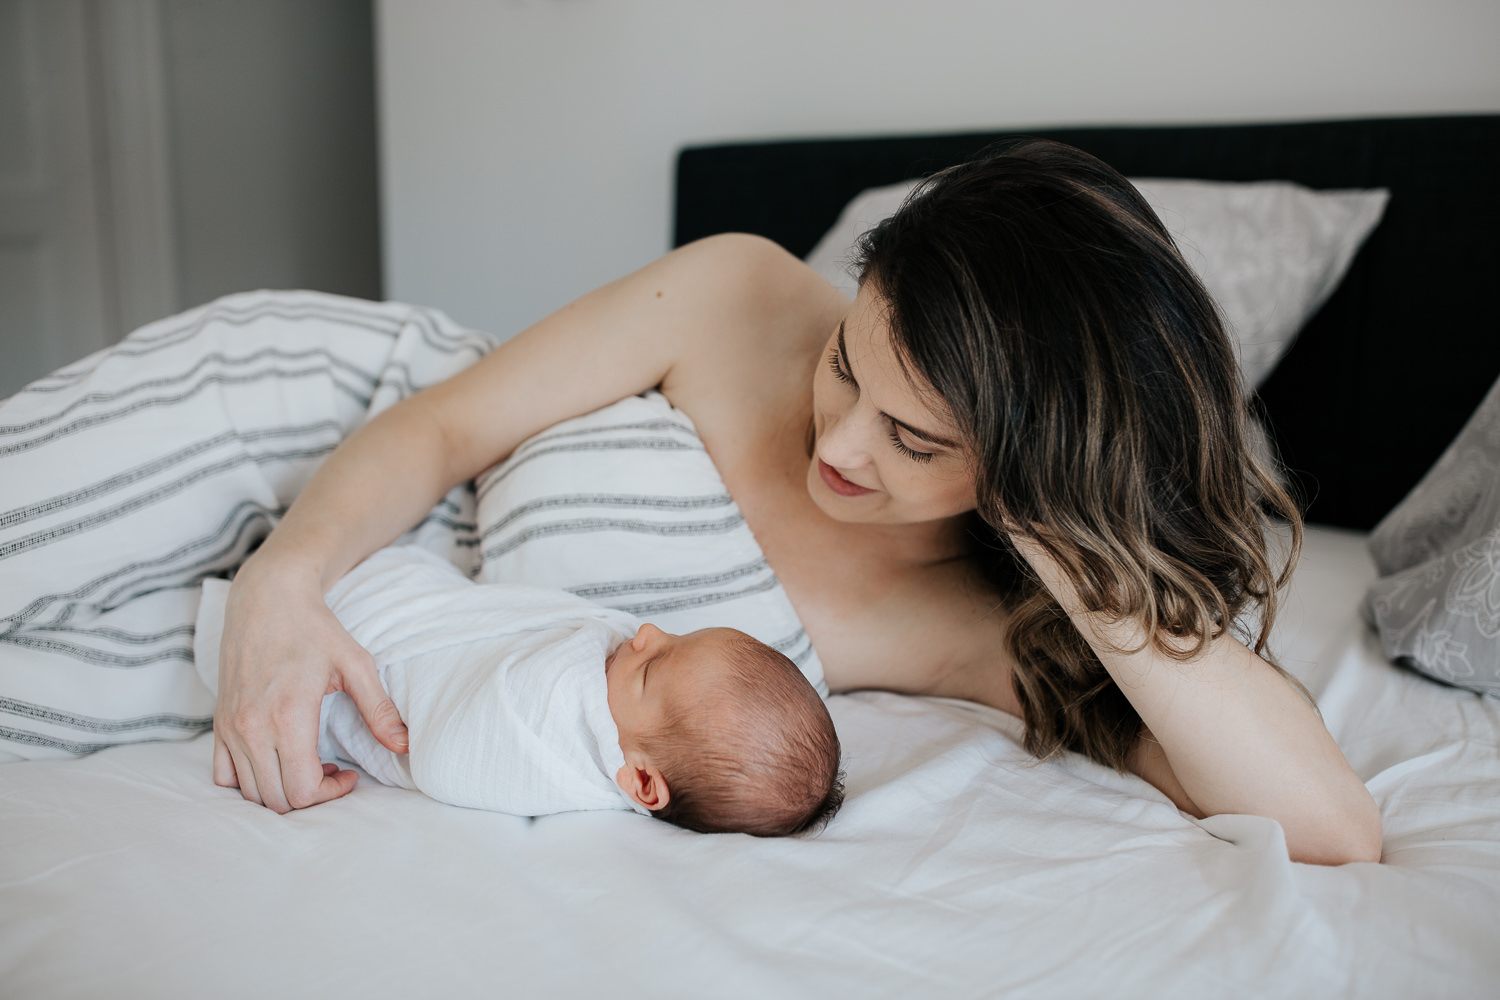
x=1379, y=381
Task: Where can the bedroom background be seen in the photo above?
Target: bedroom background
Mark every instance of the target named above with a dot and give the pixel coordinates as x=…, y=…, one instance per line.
x=529, y=154
x=157, y=153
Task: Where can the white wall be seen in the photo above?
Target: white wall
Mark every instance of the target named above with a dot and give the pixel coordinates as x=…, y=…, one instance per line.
x=527, y=146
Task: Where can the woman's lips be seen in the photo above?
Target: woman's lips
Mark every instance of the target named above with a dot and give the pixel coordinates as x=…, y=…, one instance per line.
x=838, y=483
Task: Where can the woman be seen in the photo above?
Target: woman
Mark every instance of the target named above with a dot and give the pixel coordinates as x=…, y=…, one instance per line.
x=1015, y=471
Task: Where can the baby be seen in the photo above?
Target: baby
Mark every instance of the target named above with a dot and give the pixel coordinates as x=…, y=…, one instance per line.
x=531, y=701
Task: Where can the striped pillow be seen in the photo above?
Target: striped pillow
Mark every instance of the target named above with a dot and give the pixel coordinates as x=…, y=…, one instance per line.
x=624, y=507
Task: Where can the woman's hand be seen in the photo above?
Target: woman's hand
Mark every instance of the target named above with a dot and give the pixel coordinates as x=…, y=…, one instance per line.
x=1228, y=734
x=282, y=651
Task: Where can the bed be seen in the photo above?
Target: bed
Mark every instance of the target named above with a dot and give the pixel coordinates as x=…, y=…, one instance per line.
x=958, y=867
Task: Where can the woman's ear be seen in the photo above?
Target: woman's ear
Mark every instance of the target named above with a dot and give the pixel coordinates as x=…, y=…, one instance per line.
x=642, y=782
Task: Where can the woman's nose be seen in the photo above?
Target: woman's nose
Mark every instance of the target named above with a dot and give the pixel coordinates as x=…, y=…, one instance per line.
x=842, y=443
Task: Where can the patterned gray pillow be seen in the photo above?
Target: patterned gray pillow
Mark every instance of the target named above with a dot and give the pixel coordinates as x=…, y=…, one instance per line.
x=1437, y=602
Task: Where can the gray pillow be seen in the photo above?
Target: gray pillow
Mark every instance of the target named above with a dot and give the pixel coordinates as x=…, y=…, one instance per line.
x=1437, y=602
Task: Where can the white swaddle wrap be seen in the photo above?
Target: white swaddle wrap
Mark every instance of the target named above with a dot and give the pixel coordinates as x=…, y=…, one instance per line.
x=501, y=686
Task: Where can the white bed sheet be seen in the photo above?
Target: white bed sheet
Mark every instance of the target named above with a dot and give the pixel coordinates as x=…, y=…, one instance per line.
x=958, y=868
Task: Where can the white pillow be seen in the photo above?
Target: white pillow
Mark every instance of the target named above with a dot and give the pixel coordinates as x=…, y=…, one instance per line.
x=1269, y=252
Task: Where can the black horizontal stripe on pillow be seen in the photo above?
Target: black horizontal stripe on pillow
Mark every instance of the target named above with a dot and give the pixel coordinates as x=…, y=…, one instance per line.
x=623, y=501
x=231, y=550
x=214, y=358
x=447, y=521
x=28, y=639
x=665, y=584
x=156, y=466
x=450, y=514
x=61, y=379
x=618, y=444
x=89, y=724
x=137, y=345
x=644, y=609
x=84, y=423
x=797, y=647
x=377, y=324
x=587, y=525
x=113, y=634
x=344, y=313
x=399, y=376
x=465, y=533
x=75, y=748
x=467, y=340
x=548, y=436
x=222, y=314
x=237, y=531
x=152, y=497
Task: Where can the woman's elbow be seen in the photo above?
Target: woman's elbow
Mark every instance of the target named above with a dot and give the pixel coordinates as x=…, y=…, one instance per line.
x=1341, y=837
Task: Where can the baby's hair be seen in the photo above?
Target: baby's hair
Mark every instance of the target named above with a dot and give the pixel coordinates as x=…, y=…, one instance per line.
x=760, y=757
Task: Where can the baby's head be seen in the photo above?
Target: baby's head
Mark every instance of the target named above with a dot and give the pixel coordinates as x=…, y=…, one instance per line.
x=721, y=733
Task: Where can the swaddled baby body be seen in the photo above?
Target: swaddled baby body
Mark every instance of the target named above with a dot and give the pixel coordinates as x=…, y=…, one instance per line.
x=531, y=701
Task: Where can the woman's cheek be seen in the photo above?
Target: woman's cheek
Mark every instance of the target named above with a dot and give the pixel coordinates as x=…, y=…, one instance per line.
x=939, y=492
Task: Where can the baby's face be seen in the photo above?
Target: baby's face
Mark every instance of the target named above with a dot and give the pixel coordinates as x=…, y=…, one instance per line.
x=655, y=671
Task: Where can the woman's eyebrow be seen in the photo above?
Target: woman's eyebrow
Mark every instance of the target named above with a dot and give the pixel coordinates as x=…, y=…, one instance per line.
x=913, y=431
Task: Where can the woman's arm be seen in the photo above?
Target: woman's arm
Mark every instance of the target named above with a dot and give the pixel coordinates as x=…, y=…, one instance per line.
x=1228, y=734
x=283, y=649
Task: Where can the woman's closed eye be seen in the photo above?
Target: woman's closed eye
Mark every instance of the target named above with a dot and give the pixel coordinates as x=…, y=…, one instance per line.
x=836, y=362
x=907, y=450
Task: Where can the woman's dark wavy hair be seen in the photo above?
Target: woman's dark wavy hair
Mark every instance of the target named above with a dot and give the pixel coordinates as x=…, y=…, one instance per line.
x=1037, y=294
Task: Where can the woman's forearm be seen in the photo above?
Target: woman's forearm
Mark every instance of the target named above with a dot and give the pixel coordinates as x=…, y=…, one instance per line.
x=1236, y=737
x=1240, y=739
x=376, y=485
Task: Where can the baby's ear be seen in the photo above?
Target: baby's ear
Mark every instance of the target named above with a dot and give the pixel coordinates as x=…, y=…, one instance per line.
x=642, y=781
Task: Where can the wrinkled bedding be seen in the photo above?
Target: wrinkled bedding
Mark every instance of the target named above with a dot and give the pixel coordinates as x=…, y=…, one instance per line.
x=957, y=868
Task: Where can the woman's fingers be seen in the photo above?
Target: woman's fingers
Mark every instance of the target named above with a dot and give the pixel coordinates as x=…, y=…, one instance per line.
x=333, y=784
x=361, y=681
x=245, y=774
x=306, y=781
x=336, y=783
x=283, y=737
x=224, y=775
x=282, y=651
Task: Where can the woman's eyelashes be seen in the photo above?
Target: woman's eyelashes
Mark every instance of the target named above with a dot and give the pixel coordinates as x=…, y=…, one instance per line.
x=837, y=364
x=911, y=453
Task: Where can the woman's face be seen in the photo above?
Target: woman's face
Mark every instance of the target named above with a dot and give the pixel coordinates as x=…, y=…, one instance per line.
x=884, y=452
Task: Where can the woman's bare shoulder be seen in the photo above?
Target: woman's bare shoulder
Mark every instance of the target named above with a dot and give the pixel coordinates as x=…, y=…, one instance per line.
x=744, y=373
x=689, y=323
x=755, y=302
